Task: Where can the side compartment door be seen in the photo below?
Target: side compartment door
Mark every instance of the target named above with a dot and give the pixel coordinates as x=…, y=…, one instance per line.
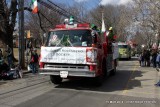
x=109, y=62
x=109, y=57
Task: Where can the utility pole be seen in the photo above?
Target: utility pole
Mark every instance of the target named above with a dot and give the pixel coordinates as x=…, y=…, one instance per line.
x=21, y=33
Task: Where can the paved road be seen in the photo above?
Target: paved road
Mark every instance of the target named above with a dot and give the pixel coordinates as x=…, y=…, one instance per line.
x=133, y=86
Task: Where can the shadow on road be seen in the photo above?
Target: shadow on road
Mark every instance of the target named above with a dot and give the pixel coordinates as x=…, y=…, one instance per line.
x=122, y=80
x=2, y=82
x=132, y=59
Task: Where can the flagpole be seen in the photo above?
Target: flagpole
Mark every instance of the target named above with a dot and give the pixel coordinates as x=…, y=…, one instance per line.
x=103, y=29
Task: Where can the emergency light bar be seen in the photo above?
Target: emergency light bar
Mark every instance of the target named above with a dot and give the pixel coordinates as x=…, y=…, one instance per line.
x=60, y=26
x=67, y=26
x=71, y=26
x=86, y=25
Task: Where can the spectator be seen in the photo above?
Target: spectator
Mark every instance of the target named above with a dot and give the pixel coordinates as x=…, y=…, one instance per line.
x=158, y=60
x=29, y=47
x=1, y=55
x=154, y=56
x=147, y=58
x=140, y=59
x=1, y=58
x=9, y=56
x=144, y=56
x=34, y=61
x=158, y=67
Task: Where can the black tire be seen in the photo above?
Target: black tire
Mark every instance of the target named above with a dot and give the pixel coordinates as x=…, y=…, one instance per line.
x=55, y=79
x=104, y=69
x=100, y=79
x=10, y=77
x=113, y=72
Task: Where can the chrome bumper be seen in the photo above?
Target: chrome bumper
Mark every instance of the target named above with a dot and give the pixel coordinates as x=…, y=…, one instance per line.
x=71, y=72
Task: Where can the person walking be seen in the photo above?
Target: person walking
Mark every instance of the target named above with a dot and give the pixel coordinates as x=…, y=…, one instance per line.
x=9, y=56
x=34, y=61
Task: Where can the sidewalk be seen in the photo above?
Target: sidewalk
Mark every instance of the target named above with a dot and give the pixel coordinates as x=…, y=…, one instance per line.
x=142, y=82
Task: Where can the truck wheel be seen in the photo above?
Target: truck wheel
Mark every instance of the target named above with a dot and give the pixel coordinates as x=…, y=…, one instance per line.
x=99, y=80
x=113, y=72
x=104, y=69
x=55, y=79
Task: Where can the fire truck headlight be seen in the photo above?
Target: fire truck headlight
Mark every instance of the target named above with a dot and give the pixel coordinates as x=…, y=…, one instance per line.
x=91, y=55
x=86, y=67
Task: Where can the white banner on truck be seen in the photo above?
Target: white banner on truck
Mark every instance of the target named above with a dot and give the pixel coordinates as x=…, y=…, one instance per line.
x=115, y=51
x=72, y=55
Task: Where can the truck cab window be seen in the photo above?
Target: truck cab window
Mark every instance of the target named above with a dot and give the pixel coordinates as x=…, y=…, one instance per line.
x=70, y=38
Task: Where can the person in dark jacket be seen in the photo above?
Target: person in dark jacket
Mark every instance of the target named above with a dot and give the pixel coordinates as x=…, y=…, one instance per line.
x=147, y=58
x=34, y=61
x=143, y=59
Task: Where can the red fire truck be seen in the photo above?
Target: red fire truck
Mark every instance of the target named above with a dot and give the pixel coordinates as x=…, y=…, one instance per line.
x=77, y=50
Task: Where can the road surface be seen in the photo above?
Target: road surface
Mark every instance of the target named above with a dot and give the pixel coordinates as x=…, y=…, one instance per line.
x=132, y=86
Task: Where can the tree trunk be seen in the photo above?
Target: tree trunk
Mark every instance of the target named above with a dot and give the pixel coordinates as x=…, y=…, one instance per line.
x=7, y=22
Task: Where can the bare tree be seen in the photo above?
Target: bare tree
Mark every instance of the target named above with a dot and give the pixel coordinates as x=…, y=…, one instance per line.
x=79, y=10
x=8, y=15
x=39, y=24
x=147, y=13
x=117, y=16
x=7, y=20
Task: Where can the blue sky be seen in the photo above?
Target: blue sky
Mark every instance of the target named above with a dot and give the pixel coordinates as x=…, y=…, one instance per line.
x=89, y=3
x=92, y=3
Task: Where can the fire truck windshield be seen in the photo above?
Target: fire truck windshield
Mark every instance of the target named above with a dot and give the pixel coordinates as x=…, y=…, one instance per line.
x=70, y=38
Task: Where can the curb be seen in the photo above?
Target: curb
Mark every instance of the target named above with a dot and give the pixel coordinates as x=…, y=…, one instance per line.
x=26, y=71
